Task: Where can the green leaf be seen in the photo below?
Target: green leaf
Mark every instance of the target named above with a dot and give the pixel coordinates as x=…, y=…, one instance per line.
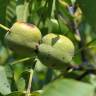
x=92, y=43
x=62, y=11
x=68, y=87
x=20, y=82
x=37, y=93
x=89, y=11
x=92, y=79
x=3, y=6
x=69, y=1
x=57, y=26
x=18, y=69
x=22, y=10
x=73, y=1
x=10, y=11
x=16, y=94
x=3, y=54
x=4, y=84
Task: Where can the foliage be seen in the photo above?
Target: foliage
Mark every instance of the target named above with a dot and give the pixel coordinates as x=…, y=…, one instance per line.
x=22, y=75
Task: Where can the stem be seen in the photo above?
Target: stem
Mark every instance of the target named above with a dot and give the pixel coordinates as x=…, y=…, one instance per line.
x=77, y=31
x=21, y=60
x=4, y=27
x=29, y=83
x=83, y=75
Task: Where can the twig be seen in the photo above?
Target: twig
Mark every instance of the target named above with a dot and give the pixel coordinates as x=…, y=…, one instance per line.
x=81, y=43
x=84, y=74
x=4, y=27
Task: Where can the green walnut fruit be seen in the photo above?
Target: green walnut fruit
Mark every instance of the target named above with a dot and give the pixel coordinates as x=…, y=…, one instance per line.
x=60, y=42
x=23, y=38
x=56, y=51
x=51, y=57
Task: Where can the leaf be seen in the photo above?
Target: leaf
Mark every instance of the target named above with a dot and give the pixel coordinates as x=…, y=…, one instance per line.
x=20, y=82
x=3, y=6
x=62, y=10
x=92, y=43
x=51, y=8
x=89, y=11
x=3, y=54
x=36, y=93
x=68, y=87
x=10, y=11
x=4, y=84
x=73, y=1
x=93, y=79
x=16, y=94
x=18, y=69
x=22, y=10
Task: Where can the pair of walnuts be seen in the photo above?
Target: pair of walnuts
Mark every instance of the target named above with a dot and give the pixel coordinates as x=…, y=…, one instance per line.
x=55, y=51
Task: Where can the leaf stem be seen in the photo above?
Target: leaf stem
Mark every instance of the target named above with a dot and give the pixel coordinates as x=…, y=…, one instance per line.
x=29, y=83
x=21, y=60
x=4, y=27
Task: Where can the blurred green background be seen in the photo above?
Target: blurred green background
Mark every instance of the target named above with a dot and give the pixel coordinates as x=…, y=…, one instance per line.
x=72, y=18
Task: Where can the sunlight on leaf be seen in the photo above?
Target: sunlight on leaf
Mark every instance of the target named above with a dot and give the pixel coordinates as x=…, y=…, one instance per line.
x=4, y=84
